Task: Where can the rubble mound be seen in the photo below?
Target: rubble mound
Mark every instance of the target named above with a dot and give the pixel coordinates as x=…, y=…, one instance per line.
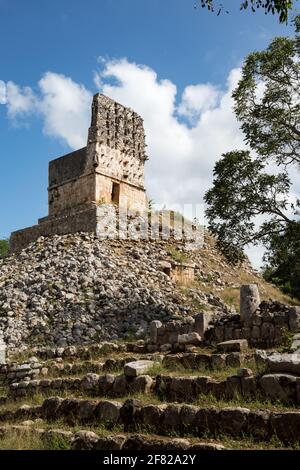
x=77, y=289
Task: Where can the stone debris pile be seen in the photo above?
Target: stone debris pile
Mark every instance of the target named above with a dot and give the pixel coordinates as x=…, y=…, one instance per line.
x=77, y=289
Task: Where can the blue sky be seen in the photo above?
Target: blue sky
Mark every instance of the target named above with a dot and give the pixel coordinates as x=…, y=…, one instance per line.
x=163, y=57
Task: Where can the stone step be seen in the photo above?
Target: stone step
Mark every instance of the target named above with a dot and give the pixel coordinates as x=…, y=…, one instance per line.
x=10, y=373
x=283, y=388
x=89, y=440
x=15, y=372
x=34, y=368
x=167, y=419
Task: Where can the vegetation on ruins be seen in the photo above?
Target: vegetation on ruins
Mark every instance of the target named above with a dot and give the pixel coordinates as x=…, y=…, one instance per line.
x=281, y=8
x=247, y=203
x=4, y=246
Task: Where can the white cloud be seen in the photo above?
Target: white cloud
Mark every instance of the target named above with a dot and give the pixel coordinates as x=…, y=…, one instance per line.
x=63, y=104
x=198, y=98
x=2, y=92
x=182, y=154
x=19, y=101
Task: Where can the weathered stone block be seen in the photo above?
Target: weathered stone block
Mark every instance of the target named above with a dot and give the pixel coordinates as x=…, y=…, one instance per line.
x=84, y=440
x=2, y=352
x=86, y=410
x=267, y=331
x=248, y=386
x=258, y=424
x=233, y=386
x=256, y=333
x=133, y=369
x=280, y=387
x=207, y=421
x=90, y=382
x=110, y=443
x=233, y=420
x=105, y=383
x=218, y=361
x=189, y=338
x=286, y=426
x=183, y=388
x=171, y=417
x=188, y=415
x=142, y=384
x=284, y=363
x=294, y=318
x=249, y=301
x=202, y=320
x=154, y=326
x=152, y=415
x=108, y=412
x=120, y=386
x=234, y=359
x=236, y=345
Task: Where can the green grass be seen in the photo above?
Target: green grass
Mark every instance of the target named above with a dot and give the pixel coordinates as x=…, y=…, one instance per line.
x=253, y=403
x=21, y=441
x=194, y=370
x=250, y=443
x=177, y=255
x=30, y=437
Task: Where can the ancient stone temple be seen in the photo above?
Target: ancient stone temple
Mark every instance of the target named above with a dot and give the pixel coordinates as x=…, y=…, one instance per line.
x=109, y=170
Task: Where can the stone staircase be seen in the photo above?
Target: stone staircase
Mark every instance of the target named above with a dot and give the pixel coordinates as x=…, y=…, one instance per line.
x=109, y=397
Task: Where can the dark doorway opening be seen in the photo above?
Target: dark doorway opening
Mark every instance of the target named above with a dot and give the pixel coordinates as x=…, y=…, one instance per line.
x=115, y=194
x=167, y=271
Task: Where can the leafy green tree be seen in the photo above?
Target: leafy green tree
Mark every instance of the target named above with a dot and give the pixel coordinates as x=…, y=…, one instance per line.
x=267, y=101
x=283, y=260
x=279, y=7
x=4, y=247
x=267, y=105
x=241, y=192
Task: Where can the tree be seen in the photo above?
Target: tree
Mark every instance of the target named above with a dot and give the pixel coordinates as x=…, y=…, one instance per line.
x=283, y=260
x=267, y=104
x=4, y=247
x=241, y=192
x=279, y=7
x=267, y=101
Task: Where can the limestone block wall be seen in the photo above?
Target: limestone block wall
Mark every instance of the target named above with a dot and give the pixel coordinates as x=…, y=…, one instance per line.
x=264, y=329
x=67, y=167
x=183, y=273
x=109, y=170
x=119, y=164
x=117, y=127
x=71, y=194
x=116, y=147
x=80, y=221
x=129, y=196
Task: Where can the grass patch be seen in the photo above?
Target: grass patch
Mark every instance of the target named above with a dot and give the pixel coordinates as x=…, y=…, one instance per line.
x=178, y=369
x=15, y=440
x=177, y=255
x=253, y=403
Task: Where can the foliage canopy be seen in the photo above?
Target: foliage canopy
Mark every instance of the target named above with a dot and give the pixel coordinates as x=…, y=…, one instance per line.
x=278, y=7
x=247, y=204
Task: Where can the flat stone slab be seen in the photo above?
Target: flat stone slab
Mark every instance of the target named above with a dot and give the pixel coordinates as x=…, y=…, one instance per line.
x=278, y=386
x=284, y=363
x=235, y=345
x=189, y=338
x=136, y=368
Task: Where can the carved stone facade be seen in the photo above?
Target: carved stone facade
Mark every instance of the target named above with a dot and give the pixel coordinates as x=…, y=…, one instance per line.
x=109, y=170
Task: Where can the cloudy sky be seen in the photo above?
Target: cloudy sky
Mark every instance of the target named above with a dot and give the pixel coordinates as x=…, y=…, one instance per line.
x=174, y=64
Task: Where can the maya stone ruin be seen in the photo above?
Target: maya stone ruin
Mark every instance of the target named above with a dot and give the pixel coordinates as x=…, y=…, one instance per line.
x=93, y=330
x=109, y=170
